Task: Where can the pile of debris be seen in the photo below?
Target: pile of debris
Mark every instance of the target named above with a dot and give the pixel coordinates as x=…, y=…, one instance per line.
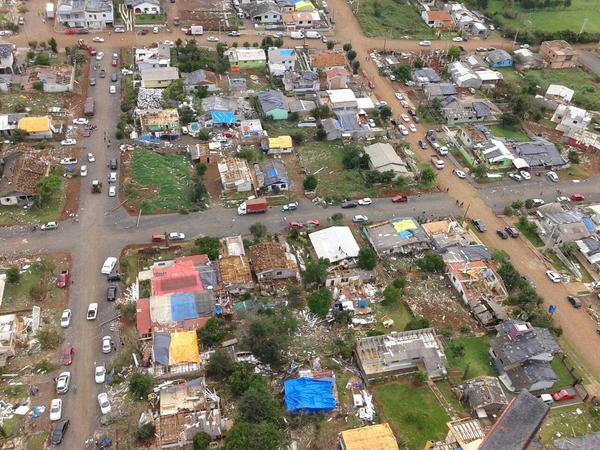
x=150, y=98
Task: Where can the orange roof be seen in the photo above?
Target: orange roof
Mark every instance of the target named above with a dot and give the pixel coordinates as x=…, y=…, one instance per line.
x=336, y=71
x=444, y=16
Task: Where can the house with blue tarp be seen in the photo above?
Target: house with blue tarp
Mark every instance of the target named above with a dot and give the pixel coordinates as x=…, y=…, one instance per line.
x=499, y=58
x=309, y=395
x=271, y=175
x=222, y=118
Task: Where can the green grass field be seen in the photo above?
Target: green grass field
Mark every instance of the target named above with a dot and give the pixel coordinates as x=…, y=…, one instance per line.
x=18, y=295
x=379, y=18
x=476, y=356
x=500, y=131
x=555, y=19
x=164, y=181
x=564, y=377
x=585, y=85
x=568, y=423
x=413, y=412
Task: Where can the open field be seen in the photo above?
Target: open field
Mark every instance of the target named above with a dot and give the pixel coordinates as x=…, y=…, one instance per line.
x=552, y=19
x=395, y=19
x=500, y=131
x=413, y=412
x=16, y=215
x=159, y=183
x=568, y=423
x=476, y=356
x=564, y=377
x=11, y=102
x=585, y=85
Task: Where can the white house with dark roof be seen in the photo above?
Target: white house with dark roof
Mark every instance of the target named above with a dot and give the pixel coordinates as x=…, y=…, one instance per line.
x=94, y=14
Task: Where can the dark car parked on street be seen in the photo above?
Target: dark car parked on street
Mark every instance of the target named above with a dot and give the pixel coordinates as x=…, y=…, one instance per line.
x=574, y=301
x=111, y=293
x=59, y=431
x=477, y=223
x=349, y=204
x=512, y=232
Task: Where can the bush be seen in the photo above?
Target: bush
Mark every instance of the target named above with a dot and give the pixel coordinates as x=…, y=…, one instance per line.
x=310, y=183
x=390, y=296
x=421, y=377
x=210, y=246
x=573, y=157
x=146, y=431
x=258, y=230
x=321, y=134
x=13, y=276
x=297, y=137
x=201, y=441
x=220, y=365
x=201, y=169
x=367, y=258
x=337, y=218
x=315, y=271
x=140, y=385
x=120, y=134
x=399, y=283
x=257, y=406
x=417, y=323
x=213, y=332
x=49, y=338
x=347, y=47
x=319, y=302
x=431, y=262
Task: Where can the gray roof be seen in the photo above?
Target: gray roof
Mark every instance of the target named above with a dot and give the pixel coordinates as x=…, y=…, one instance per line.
x=270, y=100
x=587, y=441
x=539, y=153
x=592, y=244
x=497, y=56
x=481, y=109
x=217, y=103
x=428, y=74
x=518, y=341
x=517, y=425
x=467, y=253
x=301, y=105
x=271, y=172
x=439, y=89
x=347, y=120
x=259, y=9
x=98, y=5
x=197, y=76
x=385, y=237
x=5, y=50
x=530, y=373
x=484, y=391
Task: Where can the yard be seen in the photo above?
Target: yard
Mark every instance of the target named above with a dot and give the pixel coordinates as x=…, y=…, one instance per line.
x=15, y=215
x=564, y=377
x=552, y=19
x=399, y=313
x=12, y=102
x=390, y=18
x=158, y=183
x=510, y=133
x=150, y=19
x=568, y=423
x=585, y=85
x=413, y=412
x=529, y=232
x=475, y=359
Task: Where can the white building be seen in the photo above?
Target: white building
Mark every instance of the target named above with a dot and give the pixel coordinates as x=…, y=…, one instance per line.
x=94, y=14
x=560, y=93
x=570, y=118
x=334, y=243
x=153, y=57
x=284, y=56
x=146, y=6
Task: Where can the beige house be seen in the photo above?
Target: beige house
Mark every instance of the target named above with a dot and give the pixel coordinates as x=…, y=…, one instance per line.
x=557, y=54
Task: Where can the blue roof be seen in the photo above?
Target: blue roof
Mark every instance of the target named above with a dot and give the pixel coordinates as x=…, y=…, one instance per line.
x=194, y=126
x=589, y=224
x=309, y=395
x=286, y=51
x=222, y=117
x=183, y=306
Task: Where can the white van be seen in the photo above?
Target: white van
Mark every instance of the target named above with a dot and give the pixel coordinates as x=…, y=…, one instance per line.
x=312, y=35
x=297, y=35
x=108, y=265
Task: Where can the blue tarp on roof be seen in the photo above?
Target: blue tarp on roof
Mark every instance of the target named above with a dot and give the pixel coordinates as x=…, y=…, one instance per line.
x=309, y=395
x=286, y=51
x=148, y=138
x=222, y=117
x=589, y=224
x=183, y=306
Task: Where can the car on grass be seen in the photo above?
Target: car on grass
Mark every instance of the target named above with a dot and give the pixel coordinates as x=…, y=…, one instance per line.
x=55, y=409
x=459, y=173
x=512, y=232
x=552, y=176
x=412, y=128
x=62, y=382
x=296, y=224
x=80, y=121
x=554, y=276
x=349, y=204
x=574, y=301
x=65, y=318
x=99, y=56
x=360, y=218
x=92, y=311
x=526, y=175
x=365, y=201
x=68, y=354
x=313, y=222
x=562, y=395
x=104, y=403
x=91, y=158
x=479, y=225
x=97, y=39
x=290, y=207
x=100, y=374
x=563, y=199
x=112, y=191
x=49, y=226
x=502, y=233
x=58, y=433
x=212, y=39
x=577, y=198
x=176, y=236
x=106, y=344
x=83, y=171
x=68, y=142
x=399, y=199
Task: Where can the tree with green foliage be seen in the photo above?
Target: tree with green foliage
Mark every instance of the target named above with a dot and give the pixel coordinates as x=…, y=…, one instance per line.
x=355, y=67
x=517, y=204
x=509, y=120
x=391, y=295
x=367, y=258
x=213, y=332
x=297, y=137
x=13, y=275
x=427, y=176
x=18, y=135
x=347, y=47
x=146, y=431
x=573, y=157
x=457, y=350
x=265, y=341
x=140, y=385
x=385, y=113
x=512, y=279
x=201, y=169
x=201, y=441
x=174, y=92
x=259, y=405
x=254, y=436
x=319, y=302
x=42, y=60
x=243, y=378
x=46, y=189
x=220, y=365
x=417, y=323
x=200, y=92
x=431, y=262
x=320, y=112
x=186, y=115
x=210, y=246
x=315, y=271
x=330, y=45
x=199, y=192
x=529, y=204
x=258, y=230
x=400, y=283
x=310, y=183
x=320, y=134
x=403, y=73
x=53, y=45
x=294, y=296
x=454, y=52
x=479, y=171
x=278, y=42
x=267, y=42
x=421, y=377
x=355, y=158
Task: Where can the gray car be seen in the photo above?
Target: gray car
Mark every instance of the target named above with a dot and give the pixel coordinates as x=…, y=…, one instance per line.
x=113, y=76
x=92, y=81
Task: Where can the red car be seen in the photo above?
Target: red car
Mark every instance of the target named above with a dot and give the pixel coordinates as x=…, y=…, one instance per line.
x=159, y=238
x=313, y=222
x=62, y=280
x=296, y=225
x=577, y=198
x=561, y=395
x=114, y=63
x=68, y=355
x=400, y=199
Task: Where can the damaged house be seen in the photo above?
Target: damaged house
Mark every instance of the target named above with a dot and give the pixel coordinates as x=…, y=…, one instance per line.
x=484, y=396
x=272, y=260
x=19, y=175
x=399, y=236
x=234, y=266
x=271, y=176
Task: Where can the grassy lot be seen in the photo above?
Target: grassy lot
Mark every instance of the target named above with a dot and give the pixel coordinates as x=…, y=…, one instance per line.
x=531, y=236
x=11, y=426
x=587, y=91
x=446, y=390
x=11, y=102
x=36, y=441
x=510, y=75
x=150, y=19
x=552, y=19
x=568, y=423
x=413, y=412
x=500, y=131
x=476, y=356
x=161, y=183
x=564, y=377
x=15, y=215
x=399, y=313
x=18, y=295
x=391, y=18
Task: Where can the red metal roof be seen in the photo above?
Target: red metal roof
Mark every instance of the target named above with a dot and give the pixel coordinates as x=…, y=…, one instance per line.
x=143, y=323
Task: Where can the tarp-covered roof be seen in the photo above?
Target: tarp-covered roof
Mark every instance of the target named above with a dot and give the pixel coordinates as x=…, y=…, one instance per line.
x=184, y=348
x=280, y=142
x=309, y=395
x=378, y=437
x=220, y=117
x=161, y=343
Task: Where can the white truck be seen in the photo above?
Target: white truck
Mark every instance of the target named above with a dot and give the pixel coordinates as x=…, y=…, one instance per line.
x=196, y=30
x=50, y=10
x=297, y=35
x=312, y=35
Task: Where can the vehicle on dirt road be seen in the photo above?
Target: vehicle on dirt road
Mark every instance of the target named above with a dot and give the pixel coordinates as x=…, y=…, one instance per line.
x=92, y=311
x=68, y=354
x=554, y=276
x=58, y=433
x=49, y=226
x=400, y=199
x=62, y=382
x=65, y=318
x=55, y=409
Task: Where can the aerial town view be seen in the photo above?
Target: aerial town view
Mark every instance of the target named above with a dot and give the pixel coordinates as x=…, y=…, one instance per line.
x=299, y=224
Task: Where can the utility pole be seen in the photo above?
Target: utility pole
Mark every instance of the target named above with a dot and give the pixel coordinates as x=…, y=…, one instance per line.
x=585, y=21
x=515, y=39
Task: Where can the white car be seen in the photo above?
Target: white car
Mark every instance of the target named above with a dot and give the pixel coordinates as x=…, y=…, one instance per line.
x=212, y=39
x=168, y=43
x=119, y=30
x=97, y=39
x=104, y=403
x=99, y=56
x=554, y=277
x=155, y=30
x=68, y=161
x=360, y=218
x=106, y=344
x=365, y=201
x=109, y=265
x=552, y=176
x=65, y=318
x=457, y=39
x=515, y=176
x=563, y=199
x=92, y=311
x=49, y=226
x=68, y=142
x=83, y=171
x=62, y=382
x=55, y=409
x=112, y=191
x=175, y=236
x=424, y=43
x=459, y=173
x=91, y=158
x=403, y=130
x=538, y=202
x=100, y=374
x=112, y=89
x=526, y=175
x=405, y=117
x=412, y=128
x=236, y=33
x=404, y=103
x=399, y=96
x=80, y=121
